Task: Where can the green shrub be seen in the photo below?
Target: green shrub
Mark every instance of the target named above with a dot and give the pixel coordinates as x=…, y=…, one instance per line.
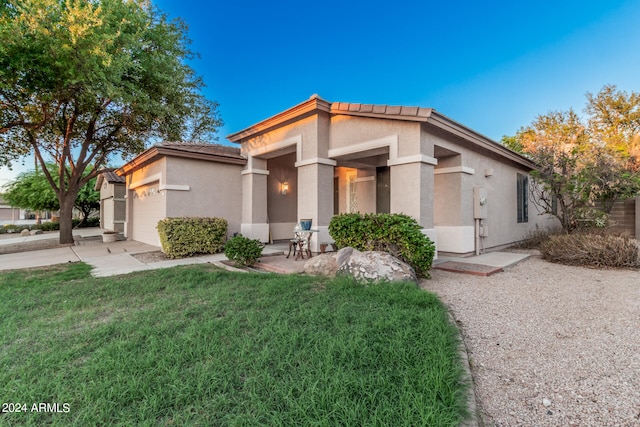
x=12, y=228
x=398, y=234
x=243, y=251
x=181, y=237
x=46, y=226
x=591, y=250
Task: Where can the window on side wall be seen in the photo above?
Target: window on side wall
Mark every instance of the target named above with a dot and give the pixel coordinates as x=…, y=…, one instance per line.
x=523, y=198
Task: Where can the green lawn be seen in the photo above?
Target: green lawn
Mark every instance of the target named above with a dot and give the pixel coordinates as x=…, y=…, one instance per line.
x=201, y=346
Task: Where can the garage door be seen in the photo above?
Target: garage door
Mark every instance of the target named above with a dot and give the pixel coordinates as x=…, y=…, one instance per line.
x=148, y=208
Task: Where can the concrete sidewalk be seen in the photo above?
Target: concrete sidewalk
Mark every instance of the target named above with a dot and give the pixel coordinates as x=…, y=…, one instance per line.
x=107, y=259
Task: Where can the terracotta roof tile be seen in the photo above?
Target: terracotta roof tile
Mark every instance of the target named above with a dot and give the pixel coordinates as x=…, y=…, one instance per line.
x=395, y=110
x=409, y=111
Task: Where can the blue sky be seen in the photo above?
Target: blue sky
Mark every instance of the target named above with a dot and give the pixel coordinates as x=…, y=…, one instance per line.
x=492, y=66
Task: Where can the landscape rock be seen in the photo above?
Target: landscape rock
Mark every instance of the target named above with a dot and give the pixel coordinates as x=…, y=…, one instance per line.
x=34, y=232
x=344, y=254
x=323, y=265
x=25, y=233
x=376, y=266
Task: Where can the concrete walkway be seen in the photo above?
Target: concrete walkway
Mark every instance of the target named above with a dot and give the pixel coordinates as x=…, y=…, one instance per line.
x=480, y=265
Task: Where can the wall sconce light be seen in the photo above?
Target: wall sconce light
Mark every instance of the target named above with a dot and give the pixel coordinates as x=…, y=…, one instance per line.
x=284, y=188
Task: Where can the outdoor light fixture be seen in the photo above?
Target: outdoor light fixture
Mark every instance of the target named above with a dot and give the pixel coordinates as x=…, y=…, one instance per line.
x=284, y=188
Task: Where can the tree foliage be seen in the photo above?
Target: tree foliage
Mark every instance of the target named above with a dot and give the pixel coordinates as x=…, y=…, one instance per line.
x=584, y=166
x=81, y=80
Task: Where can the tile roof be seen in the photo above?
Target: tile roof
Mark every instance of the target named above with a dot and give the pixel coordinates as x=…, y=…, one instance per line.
x=201, y=151
x=112, y=177
x=201, y=148
x=397, y=111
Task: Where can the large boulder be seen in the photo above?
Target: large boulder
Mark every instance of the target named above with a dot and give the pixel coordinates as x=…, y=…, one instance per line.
x=367, y=266
x=377, y=266
x=322, y=265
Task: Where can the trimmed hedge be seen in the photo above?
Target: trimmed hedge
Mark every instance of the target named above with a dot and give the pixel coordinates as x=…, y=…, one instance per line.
x=182, y=237
x=398, y=234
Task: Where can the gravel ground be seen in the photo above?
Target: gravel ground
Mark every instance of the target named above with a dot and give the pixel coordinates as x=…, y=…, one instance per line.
x=550, y=345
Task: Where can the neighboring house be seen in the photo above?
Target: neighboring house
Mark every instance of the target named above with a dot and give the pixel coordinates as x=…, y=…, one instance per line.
x=318, y=159
x=8, y=213
x=112, y=201
x=181, y=179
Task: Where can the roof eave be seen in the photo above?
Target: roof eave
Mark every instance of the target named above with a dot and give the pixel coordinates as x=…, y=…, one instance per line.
x=156, y=152
x=443, y=122
x=306, y=108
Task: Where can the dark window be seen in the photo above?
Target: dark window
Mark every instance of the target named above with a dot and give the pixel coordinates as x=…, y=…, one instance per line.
x=523, y=198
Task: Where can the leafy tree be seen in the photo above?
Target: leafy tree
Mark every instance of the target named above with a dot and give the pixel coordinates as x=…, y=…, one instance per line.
x=31, y=190
x=81, y=80
x=583, y=168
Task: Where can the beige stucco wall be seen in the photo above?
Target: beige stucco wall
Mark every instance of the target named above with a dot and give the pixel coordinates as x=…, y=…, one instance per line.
x=454, y=197
x=349, y=130
x=198, y=188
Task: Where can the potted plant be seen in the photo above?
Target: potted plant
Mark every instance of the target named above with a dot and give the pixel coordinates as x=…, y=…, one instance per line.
x=109, y=236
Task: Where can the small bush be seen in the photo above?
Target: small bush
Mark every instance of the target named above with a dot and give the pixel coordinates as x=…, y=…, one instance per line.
x=591, y=250
x=243, y=251
x=181, y=237
x=46, y=226
x=398, y=234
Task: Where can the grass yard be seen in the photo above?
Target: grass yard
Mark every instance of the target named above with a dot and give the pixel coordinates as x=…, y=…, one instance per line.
x=201, y=346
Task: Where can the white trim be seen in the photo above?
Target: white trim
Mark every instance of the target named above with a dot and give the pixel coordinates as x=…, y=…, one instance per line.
x=175, y=187
x=455, y=169
x=144, y=181
x=390, y=141
x=316, y=160
x=456, y=239
x=417, y=158
x=255, y=171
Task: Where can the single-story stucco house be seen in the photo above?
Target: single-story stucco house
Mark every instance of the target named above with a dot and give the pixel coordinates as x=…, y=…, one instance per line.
x=112, y=201
x=318, y=158
x=174, y=179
